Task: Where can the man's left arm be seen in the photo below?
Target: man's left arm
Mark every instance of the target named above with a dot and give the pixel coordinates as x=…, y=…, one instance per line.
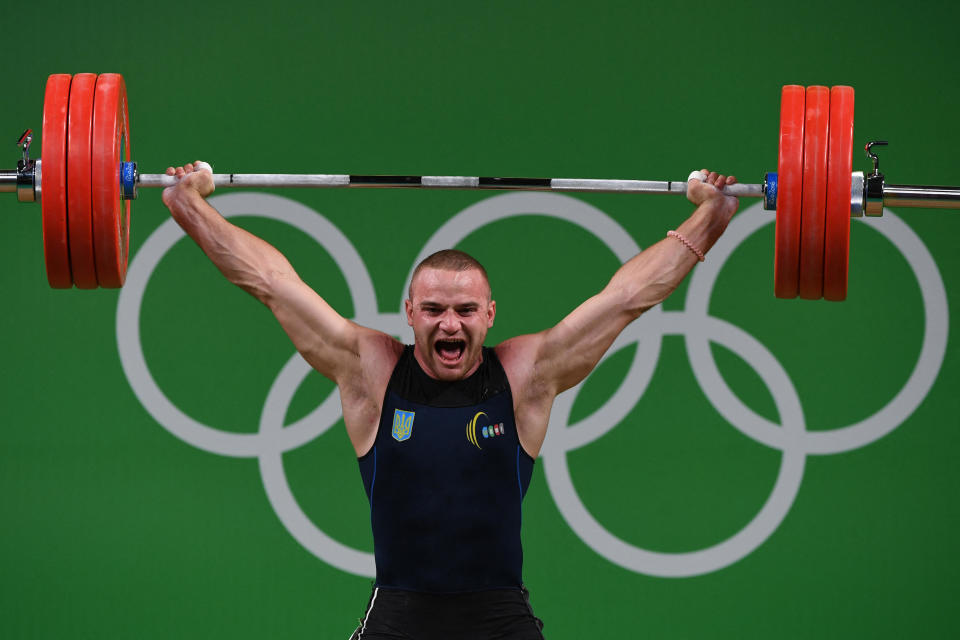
x=542, y=365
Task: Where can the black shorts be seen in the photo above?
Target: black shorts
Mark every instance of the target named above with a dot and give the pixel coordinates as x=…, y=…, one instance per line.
x=394, y=614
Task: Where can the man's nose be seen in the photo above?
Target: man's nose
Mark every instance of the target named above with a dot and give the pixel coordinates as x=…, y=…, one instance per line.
x=449, y=321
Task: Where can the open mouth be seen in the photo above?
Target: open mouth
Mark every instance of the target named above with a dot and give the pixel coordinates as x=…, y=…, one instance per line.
x=450, y=351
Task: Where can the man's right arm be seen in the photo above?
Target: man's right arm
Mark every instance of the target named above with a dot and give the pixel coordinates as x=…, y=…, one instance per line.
x=358, y=359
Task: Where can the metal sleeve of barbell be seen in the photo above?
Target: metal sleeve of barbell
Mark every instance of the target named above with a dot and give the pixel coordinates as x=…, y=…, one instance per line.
x=8, y=181
x=282, y=180
x=925, y=197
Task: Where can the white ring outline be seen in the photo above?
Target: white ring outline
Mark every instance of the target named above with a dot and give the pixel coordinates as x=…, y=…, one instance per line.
x=725, y=553
x=839, y=439
x=141, y=268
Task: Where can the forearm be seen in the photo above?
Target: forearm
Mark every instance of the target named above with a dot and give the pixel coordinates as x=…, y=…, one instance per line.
x=244, y=259
x=651, y=276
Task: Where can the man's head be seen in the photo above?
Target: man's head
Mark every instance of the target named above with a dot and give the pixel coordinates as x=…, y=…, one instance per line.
x=450, y=309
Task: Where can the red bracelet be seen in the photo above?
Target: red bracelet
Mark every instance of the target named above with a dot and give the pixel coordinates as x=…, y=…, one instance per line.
x=687, y=244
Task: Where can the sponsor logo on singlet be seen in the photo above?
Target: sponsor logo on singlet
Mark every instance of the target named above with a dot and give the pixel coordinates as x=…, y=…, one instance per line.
x=486, y=431
x=402, y=424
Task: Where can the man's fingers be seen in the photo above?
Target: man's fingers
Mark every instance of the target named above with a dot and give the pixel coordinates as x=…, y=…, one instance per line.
x=712, y=178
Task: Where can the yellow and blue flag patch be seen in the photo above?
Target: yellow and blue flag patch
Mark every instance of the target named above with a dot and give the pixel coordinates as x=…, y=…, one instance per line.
x=402, y=424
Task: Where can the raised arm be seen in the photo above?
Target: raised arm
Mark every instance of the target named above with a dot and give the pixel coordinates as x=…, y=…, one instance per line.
x=544, y=364
x=358, y=359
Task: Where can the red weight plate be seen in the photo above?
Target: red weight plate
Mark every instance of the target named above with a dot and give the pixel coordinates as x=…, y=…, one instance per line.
x=786, y=257
x=79, y=132
x=836, y=256
x=814, y=206
x=111, y=145
x=53, y=196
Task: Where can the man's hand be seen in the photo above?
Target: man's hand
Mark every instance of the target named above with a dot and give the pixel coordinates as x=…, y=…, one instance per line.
x=709, y=184
x=193, y=179
x=707, y=189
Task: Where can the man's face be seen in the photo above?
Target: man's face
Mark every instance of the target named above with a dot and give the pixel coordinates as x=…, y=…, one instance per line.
x=450, y=312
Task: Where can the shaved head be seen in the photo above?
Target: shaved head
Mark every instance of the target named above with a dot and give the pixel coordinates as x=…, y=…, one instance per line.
x=450, y=260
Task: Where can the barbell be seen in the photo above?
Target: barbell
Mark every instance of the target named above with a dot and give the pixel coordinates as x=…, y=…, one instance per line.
x=86, y=181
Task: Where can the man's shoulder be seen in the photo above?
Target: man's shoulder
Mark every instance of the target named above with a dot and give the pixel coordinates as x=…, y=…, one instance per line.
x=378, y=349
x=519, y=347
x=518, y=356
x=373, y=359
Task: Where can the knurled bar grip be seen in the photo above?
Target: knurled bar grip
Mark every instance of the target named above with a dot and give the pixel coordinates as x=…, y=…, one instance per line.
x=280, y=180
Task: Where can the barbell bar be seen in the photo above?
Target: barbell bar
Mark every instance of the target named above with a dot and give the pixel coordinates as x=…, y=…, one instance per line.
x=86, y=180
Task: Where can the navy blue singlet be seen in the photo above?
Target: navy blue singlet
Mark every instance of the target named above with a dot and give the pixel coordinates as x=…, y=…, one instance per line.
x=445, y=479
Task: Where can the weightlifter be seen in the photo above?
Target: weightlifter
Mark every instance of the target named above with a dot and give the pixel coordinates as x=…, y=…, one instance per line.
x=447, y=430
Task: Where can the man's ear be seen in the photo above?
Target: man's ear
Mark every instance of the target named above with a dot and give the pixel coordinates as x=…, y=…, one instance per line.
x=408, y=306
x=491, y=313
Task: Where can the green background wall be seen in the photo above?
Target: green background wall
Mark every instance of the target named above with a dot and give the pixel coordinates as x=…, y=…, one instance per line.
x=112, y=527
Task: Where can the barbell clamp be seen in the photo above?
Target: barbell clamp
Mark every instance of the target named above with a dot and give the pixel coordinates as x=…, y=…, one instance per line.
x=873, y=189
x=770, y=183
x=129, y=178
x=23, y=179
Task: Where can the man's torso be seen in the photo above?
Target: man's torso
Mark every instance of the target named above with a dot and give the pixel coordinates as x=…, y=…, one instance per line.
x=445, y=478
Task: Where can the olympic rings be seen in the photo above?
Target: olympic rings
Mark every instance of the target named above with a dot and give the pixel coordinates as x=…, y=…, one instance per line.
x=694, y=323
